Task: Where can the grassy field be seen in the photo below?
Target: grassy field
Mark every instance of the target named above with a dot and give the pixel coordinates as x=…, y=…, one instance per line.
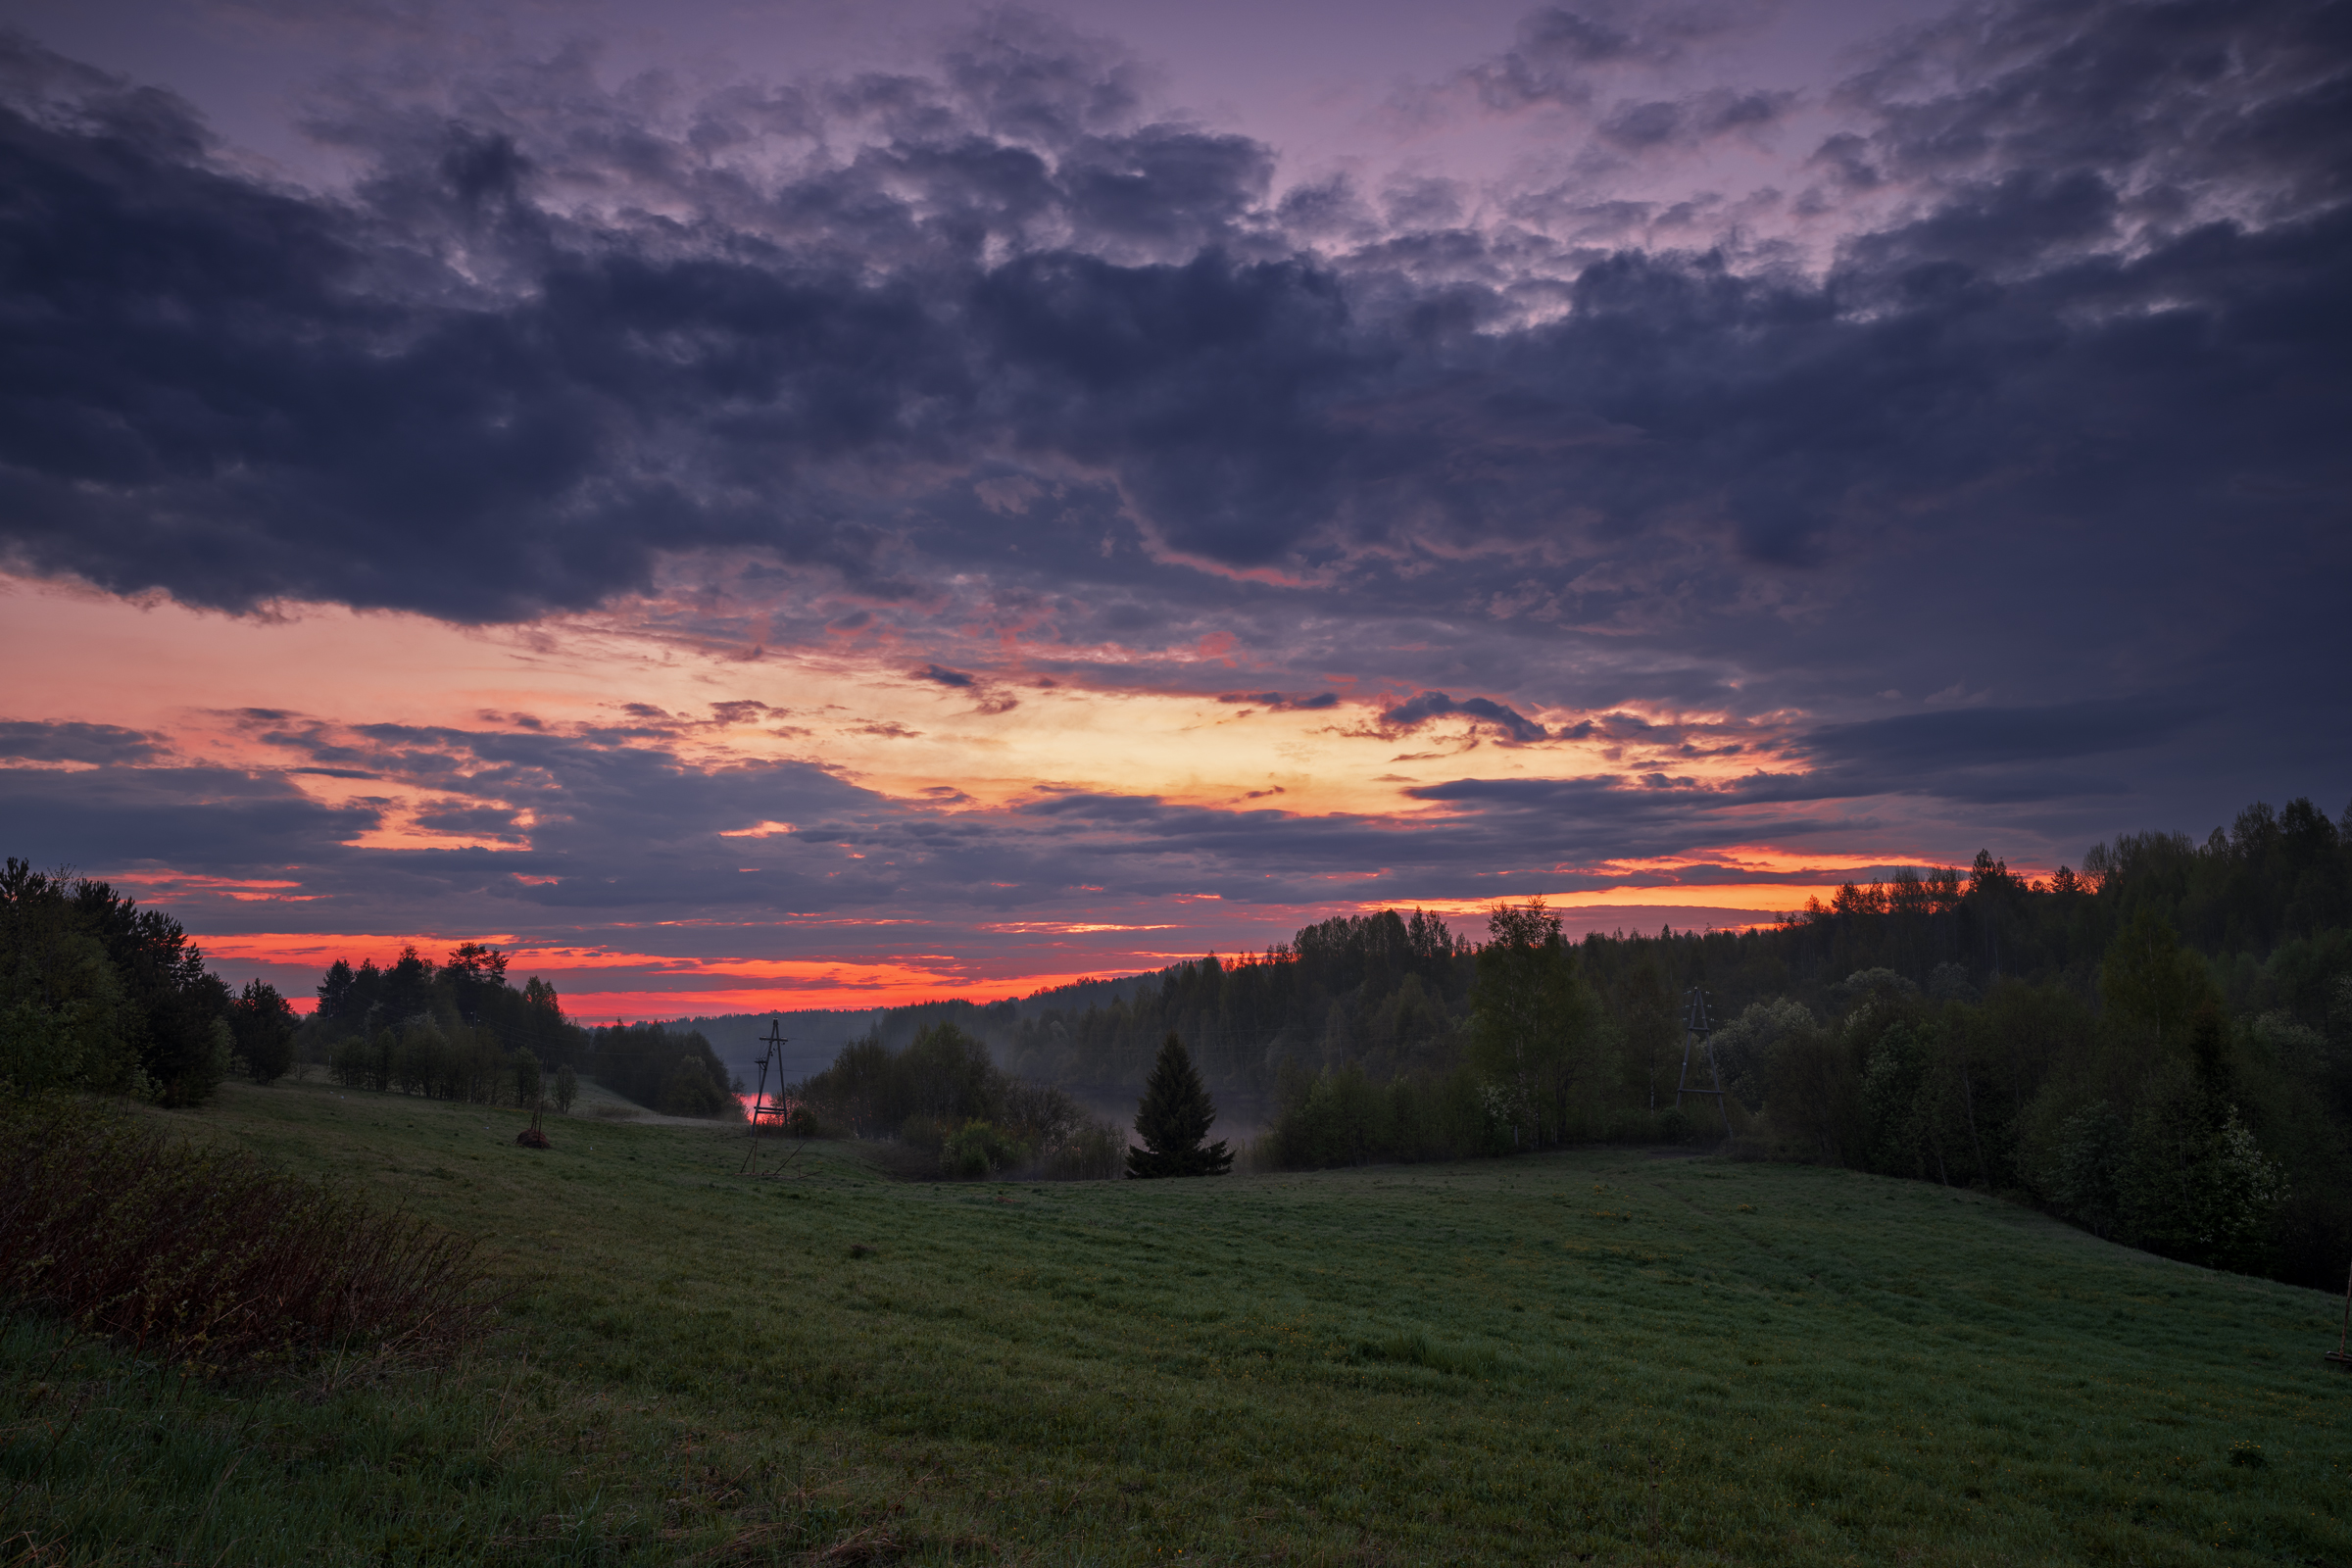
x=1593, y=1356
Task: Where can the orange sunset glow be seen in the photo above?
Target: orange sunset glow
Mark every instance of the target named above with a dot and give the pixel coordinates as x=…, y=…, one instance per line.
x=275, y=696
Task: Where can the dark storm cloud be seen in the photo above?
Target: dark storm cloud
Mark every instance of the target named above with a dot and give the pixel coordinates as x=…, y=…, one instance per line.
x=987, y=697
x=1918, y=742
x=2248, y=97
x=236, y=391
x=73, y=743
x=1416, y=711
x=471, y=821
x=305, y=397
x=208, y=822
x=1984, y=756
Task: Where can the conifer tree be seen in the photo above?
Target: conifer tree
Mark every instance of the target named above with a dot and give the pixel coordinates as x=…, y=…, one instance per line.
x=1173, y=1118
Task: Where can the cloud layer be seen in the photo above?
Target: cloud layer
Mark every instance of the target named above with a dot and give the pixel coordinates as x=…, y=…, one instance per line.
x=569, y=340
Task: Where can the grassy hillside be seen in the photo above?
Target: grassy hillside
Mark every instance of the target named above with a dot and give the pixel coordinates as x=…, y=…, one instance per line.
x=1583, y=1355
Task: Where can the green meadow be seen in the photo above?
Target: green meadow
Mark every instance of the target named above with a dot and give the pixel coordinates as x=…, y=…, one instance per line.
x=1592, y=1356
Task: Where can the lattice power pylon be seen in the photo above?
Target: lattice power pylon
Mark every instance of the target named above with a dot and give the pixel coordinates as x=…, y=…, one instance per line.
x=761, y=1110
x=1698, y=1025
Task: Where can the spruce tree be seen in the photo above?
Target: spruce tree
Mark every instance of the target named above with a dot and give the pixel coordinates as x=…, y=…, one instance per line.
x=1173, y=1118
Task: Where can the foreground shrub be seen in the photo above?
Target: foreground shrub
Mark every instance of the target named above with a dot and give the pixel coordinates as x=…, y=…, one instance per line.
x=212, y=1256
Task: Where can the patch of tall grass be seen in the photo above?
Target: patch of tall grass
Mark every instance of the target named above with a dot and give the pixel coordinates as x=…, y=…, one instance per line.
x=211, y=1256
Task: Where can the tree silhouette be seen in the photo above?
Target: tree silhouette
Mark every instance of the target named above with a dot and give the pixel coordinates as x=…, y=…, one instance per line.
x=1173, y=1116
x=263, y=1024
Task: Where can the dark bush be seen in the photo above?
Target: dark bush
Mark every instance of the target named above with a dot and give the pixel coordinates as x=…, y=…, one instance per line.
x=926, y=1132
x=1093, y=1150
x=211, y=1256
x=976, y=1149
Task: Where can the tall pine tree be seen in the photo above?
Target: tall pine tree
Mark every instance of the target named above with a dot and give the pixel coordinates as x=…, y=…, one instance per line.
x=1173, y=1118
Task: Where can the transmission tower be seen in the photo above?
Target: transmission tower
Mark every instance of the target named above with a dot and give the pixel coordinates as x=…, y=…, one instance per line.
x=1698, y=1025
x=761, y=1110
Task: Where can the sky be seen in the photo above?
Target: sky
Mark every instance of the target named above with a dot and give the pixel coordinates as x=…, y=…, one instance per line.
x=794, y=506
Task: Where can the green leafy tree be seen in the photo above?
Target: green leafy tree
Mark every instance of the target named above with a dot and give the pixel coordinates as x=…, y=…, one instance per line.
x=472, y=971
x=1895, y=1081
x=1647, y=1029
x=1173, y=1118
x=60, y=1005
x=527, y=1080
x=1531, y=1021
x=407, y=988
x=1814, y=1093
x=1742, y=1049
x=2085, y=1162
x=2193, y=1184
x=176, y=1012
x=263, y=1024
x=567, y=1088
x=690, y=1089
x=339, y=1000
x=2152, y=985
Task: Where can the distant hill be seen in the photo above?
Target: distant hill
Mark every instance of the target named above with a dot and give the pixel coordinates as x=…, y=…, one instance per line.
x=815, y=1037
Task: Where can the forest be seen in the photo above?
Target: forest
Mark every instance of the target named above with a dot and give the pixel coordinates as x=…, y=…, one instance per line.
x=2157, y=1047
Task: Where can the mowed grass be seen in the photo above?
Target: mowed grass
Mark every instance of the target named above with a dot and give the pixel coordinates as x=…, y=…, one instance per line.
x=1591, y=1356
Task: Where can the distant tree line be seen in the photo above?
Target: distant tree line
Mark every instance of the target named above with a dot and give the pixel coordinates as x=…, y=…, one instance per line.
x=98, y=994
x=463, y=1030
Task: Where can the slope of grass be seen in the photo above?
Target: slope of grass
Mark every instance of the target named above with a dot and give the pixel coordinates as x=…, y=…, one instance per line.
x=1597, y=1356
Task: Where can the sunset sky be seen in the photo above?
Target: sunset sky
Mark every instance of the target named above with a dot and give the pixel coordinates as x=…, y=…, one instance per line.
x=818, y=505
